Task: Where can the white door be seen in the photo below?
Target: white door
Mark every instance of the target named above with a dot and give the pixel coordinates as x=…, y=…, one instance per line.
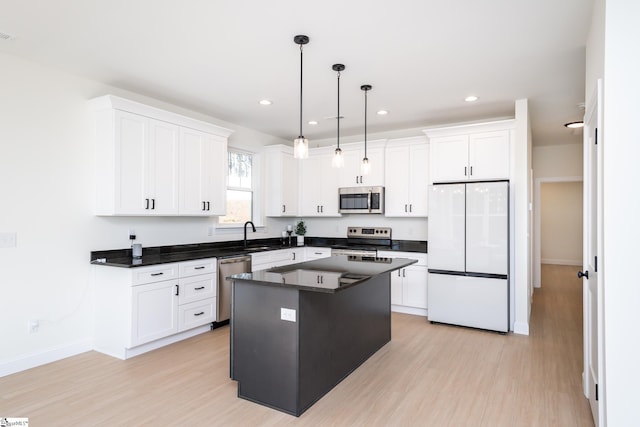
x=446, y=227
x=592, y=289
x=398, y=182
x=487, y=227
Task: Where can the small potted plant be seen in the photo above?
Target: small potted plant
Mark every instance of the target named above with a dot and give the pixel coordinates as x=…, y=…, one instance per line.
x=301, y=230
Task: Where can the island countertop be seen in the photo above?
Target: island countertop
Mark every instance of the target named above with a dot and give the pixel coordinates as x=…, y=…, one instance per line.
x=330, y=275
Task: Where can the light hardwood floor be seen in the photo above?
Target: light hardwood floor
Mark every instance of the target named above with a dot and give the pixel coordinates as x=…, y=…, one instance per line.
x=428, y=375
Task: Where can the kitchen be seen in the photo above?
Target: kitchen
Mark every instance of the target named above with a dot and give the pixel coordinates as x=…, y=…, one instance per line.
x=47, y=105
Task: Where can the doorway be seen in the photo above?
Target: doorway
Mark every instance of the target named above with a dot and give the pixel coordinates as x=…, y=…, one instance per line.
x=558, y=223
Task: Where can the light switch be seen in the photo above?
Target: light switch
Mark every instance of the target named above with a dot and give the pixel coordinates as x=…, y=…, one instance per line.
x=287, y=314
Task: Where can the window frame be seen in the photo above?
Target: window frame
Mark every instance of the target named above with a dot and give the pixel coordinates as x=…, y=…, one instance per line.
x=256, y=172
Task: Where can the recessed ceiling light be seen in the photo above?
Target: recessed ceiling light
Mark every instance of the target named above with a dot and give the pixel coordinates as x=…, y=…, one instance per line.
x=313, y=122
x=265, y=102
x=574, y=125
x=383, y=112
x=471, y=98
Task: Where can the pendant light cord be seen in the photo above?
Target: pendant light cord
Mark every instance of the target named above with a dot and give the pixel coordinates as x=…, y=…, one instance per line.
x=300, y=91
x=338, y=110
x=365, y=123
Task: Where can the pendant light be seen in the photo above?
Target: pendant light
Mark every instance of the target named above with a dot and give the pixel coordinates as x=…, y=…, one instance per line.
x=338, y=160
x=301, y=144
x=365, y=166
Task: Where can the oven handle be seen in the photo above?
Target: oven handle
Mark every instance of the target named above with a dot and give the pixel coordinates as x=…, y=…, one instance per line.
x=369, y=201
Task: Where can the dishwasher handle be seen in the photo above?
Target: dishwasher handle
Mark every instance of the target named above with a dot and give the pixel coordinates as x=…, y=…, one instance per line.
x=234, y=260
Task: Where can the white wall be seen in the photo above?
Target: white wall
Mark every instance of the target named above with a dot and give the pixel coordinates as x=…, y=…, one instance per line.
x=561, y=223
x=621, y=151
x=552, y=161
x=46, y=183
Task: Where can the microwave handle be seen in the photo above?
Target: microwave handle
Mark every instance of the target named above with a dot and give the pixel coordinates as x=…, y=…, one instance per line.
x=369, y=201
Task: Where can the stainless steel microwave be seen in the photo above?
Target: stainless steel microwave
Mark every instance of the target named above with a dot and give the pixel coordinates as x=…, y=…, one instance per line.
x=361, y=200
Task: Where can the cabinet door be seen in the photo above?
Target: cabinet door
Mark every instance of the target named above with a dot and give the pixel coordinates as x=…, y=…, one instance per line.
x=376, y=160
x=329, y=183
x=132, y=140
x=352, y=176
x=281, y=183
x=489, y=155
x=154, y=311
x=397, y=182
x=162, y=168
x=311, y=178
x=396, y=287
x=449, y=158
x=202, y=174
x=415, y=286
x=418, y=185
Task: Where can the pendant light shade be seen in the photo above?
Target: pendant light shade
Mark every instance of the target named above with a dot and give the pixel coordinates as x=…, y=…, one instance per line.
x=301, y=144
x=365, y=166
x=338, y=159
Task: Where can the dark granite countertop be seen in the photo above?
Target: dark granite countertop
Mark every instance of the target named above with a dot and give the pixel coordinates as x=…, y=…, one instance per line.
x=327, y=275
x=178, y=253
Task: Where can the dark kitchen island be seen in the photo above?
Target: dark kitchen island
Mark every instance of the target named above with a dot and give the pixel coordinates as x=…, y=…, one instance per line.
x=298, y=330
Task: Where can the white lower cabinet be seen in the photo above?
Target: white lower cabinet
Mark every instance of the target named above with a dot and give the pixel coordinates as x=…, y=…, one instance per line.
x=144, y=308
x=155, y=311
x=409, y=284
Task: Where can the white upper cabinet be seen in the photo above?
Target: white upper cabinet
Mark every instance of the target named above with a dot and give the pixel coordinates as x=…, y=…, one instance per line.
x=407, y=177
x=281, y=181
x=351, y=175
x=319, y=184
x=471, y=152
x=203, y=167
x=142, y=156
x=138, y=167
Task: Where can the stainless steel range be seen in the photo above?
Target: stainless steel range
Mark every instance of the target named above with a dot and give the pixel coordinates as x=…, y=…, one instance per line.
x=364, y=241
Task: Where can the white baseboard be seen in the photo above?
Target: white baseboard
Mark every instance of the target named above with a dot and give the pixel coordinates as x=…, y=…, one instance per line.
x=42, y=358
x=561, y=261
x=521, y=328
x=409, y=310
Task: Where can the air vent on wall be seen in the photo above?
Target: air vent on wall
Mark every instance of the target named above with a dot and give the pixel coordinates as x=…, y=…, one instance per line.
x=5, y=36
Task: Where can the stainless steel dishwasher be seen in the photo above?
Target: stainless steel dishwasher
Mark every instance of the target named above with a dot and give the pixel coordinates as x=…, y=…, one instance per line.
x=228, y=267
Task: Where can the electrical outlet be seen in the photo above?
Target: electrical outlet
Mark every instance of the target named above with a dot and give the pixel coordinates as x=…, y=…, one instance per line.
x=210, y=231
x=34, y=326
x=287, y=314
x=132, y=234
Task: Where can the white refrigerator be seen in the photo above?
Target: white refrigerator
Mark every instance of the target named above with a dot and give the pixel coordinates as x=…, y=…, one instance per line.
x=468, y=235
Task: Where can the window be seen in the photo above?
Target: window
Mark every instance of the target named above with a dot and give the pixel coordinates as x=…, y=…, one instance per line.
x=239, y=189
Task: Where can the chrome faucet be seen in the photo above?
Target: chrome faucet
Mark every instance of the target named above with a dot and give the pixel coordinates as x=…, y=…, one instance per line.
x=245, y=231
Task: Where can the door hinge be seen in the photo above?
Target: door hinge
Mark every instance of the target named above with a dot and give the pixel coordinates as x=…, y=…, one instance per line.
x=595, y=264
x=596, y=391
x=596, y=136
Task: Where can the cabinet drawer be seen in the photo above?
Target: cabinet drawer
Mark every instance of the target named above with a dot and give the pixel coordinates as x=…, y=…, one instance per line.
x=196, y=314
x=197, y=288
x=201, y=266
x=156, y=273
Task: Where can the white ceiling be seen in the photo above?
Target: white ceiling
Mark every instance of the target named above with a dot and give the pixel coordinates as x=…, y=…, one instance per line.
x=422, y=57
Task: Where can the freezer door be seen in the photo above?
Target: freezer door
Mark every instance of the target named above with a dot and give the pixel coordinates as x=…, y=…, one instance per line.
x=445, y=227
x=487, y=227
x=469, y=301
